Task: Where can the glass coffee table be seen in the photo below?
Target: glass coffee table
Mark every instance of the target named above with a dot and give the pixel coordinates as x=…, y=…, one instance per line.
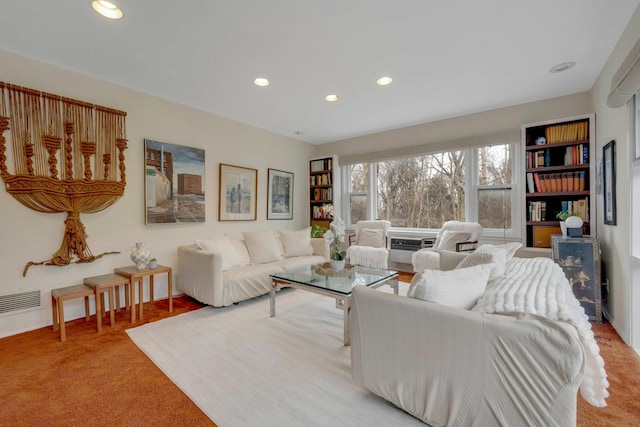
x=338, y=287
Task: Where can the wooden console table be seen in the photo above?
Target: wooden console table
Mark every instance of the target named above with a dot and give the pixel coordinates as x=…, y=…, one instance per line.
x=136, y=275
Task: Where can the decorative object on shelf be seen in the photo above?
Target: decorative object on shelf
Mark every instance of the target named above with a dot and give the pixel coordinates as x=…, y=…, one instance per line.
x=334, y=236
x=238, y=195
x=318, y=230
x=327, y=269
x=280, y=194
x=49, y=131
x=574, y=226
x=324, y=188
x=609, y=182
x=174, y=183
x=541, y=140
x=140, y=256
x=563, y=216
x=153, y=263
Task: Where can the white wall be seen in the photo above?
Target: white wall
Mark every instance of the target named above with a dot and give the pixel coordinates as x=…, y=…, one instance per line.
x=615, y=124
x=26, y=235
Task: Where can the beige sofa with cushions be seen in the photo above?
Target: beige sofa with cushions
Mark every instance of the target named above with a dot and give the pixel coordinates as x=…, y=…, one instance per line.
x=488, y=339
x=227, y=270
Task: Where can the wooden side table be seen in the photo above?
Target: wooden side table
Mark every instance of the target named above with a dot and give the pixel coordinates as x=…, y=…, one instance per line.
x=59, y=296
x=106, y=283
x=134, y=275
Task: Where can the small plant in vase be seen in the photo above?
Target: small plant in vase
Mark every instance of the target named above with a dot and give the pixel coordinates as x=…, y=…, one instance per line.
x=153, y=263
x=334, y=236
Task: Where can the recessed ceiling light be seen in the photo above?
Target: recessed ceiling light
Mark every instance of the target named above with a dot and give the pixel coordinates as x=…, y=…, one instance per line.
x=331, y=98
x=107, y=9
x=383, y=81
x=561, y=67
x=261, y=81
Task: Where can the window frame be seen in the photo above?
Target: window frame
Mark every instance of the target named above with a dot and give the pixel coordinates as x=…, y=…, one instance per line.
x=471, y=193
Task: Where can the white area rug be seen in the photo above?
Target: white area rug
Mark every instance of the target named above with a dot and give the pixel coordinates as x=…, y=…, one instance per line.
x=243, y=368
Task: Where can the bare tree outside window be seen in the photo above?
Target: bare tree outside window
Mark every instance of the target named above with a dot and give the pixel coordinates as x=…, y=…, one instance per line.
x=494, y=186
x=423, y=191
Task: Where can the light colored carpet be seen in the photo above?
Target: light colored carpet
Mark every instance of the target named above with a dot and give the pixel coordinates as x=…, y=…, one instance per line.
x=243, y=368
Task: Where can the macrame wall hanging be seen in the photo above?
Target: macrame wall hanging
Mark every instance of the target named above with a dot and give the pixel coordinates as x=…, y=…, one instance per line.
x=64, y=154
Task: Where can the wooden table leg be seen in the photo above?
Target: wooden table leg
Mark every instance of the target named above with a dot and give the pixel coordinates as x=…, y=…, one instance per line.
x=87, y=315
x=98, y=308
x=132, y=299
x=140, y=289
x=63, y=333
x=170, y=288
x=112, y=316
x=150, y=287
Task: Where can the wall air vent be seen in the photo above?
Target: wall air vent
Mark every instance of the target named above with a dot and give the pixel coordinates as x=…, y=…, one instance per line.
x=19, y=301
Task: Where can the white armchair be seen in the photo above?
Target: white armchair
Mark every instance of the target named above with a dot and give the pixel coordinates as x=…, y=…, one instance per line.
x=369, y=247
x=457, y=236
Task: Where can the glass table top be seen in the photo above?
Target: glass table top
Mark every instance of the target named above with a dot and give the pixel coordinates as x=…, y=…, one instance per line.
x=339, y=284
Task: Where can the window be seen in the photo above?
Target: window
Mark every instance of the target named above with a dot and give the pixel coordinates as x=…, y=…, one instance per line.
x=493, y=186
x=425, y=191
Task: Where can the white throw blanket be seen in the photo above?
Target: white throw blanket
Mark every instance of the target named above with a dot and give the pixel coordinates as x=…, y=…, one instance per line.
x=539, y=286
x=368, y=256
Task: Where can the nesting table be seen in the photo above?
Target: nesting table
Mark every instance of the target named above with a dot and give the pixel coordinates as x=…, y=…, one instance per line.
x=134, y=275
x=107, y=283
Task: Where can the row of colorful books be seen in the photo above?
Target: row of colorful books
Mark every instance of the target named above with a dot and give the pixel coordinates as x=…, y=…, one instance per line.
x=319, y=194
x=556, y=182
x=577, y=131
x=573, y=156
x=321, y=165
x=324, y=179
x=537, y=210
x=319, y=212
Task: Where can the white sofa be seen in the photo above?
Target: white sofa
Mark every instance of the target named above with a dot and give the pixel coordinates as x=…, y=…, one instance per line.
x=215, y=278
x=452, y=366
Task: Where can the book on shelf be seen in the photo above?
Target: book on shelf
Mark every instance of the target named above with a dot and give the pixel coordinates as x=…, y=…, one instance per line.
x=531, y=188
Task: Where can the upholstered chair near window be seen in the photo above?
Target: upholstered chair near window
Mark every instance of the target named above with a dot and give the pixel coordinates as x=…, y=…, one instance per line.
x=369, y=247
x=457, y=236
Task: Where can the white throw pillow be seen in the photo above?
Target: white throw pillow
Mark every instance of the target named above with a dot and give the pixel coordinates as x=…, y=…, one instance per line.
x=450, y=260
x=222, y=245
x=241, y=250
x=511, y=248
x=487, y=254
x=373, y=237
x=459, y=288
x=449, y=239
x=262, y=246
x=297, y=243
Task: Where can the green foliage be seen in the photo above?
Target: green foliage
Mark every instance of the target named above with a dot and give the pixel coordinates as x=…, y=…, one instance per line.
x=337, y=254
x=563, y=215
x=318, y=230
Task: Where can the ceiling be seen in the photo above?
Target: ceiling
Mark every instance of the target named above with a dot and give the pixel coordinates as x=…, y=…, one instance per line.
x=447, y=58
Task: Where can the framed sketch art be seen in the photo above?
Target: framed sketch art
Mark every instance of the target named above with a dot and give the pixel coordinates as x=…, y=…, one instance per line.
x=609, y=182
x=238, y=194
x=280, y=195
x=174, y=183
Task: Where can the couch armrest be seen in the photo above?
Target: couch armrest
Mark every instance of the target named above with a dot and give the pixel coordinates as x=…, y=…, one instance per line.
x=449, y=366
x=320, y=247
x=200, y=274
x=425, y=259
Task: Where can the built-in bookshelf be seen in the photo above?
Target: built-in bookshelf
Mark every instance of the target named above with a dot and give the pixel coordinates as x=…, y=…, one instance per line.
x=323, y=185
x=559, y=175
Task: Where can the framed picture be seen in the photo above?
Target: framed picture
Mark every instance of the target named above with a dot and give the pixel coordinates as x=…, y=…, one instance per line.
x=238, y=196
x=174, y=183
x=280, y=195
x=609, y=182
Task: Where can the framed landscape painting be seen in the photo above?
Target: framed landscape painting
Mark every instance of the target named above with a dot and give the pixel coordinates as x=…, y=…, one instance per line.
x=238, y=193
x=280, y=195
x=174, y=183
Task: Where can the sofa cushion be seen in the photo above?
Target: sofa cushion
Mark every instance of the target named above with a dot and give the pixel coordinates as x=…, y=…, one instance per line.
x=241, y=250
x=221, y=244
x=263, y=246
x=373, y=237
x=486, y=254
x=459, y=288
x=450, y=259
x=511, y=248
x=296, y=243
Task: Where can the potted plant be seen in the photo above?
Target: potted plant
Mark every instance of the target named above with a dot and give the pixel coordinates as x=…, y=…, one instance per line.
x=153, y=263
x=334, y=236
x=318, y=230
x=562, y=216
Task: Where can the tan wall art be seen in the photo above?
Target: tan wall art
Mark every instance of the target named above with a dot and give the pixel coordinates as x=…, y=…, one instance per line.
x=68, y=156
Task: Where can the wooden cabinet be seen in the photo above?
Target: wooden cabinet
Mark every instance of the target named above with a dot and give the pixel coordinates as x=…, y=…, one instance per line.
x=559, y=165
x=324, y=188
x=579, y=258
